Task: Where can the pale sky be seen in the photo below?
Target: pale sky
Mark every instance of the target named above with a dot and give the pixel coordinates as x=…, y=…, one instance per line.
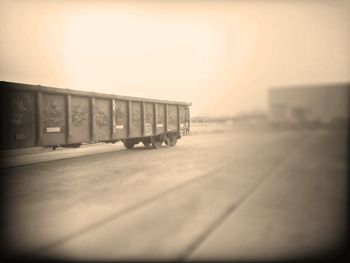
x=220, y=55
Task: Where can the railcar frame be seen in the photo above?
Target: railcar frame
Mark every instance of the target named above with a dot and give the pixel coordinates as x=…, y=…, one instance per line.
x=34, y=115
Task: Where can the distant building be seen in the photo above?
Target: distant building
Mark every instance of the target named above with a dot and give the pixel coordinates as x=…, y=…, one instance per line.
x=310, y=104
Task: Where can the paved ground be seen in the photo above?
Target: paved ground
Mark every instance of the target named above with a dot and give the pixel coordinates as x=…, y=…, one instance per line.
x=229, y=194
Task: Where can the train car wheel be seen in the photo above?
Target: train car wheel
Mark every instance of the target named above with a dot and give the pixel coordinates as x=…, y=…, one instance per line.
x=173, y=139
x=128, y=144
x=146, y=144
x=167, y=139
x=157, y=142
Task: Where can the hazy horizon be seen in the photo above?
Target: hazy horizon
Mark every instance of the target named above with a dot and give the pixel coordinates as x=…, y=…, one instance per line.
x=220, y=55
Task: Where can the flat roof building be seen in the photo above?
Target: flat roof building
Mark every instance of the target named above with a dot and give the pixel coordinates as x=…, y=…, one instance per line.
x=324, y=103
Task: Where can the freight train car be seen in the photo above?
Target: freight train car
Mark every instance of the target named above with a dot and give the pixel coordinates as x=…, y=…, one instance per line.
x=34, y=115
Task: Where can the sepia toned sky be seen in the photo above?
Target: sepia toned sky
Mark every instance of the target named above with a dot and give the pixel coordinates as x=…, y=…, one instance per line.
x=220, y=55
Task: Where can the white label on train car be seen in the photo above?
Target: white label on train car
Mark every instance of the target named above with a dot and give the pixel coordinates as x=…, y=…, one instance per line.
x=148, y=129
x=119, y=127
x=53, y=129
x=159, y=125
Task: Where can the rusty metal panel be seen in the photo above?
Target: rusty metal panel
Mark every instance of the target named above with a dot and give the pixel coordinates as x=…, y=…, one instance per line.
x=102, y=119
x=121, y=119
x=187, y=119
x=17, y=119
x=53, y=119
x=65, y=116
x=172, y=118
x=182, y=118
x=149, y=119
x=136, y=125
x=80, y=116
x=160, y=118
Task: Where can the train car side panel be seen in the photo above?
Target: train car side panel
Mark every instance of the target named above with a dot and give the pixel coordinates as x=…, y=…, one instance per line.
x=121, y=119
x=182, y=118
x=80, y=115
x=187, y=119
x=149, y=119
x=172, y=118
x=18, y=119
x=136, y=125
x=102, y=120
x=53, y=119
x=160, y=118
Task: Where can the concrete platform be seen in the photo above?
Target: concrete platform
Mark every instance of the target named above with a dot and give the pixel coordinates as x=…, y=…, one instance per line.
x=298, y=211
x=258, y=195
